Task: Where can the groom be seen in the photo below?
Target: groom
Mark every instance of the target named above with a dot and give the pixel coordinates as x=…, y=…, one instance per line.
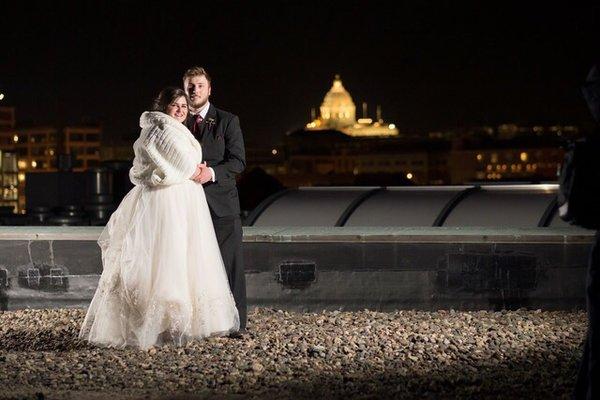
x=224, y=157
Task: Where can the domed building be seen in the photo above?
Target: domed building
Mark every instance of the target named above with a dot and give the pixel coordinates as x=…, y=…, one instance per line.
x=338, y=109
x=338, y=112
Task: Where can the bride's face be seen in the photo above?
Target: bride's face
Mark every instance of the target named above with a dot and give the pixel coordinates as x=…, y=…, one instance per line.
x=178, y=109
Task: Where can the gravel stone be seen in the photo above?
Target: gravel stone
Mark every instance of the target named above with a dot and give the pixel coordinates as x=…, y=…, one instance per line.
x=333, y=354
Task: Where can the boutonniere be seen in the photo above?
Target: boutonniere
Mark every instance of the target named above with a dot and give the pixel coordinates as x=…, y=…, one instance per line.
x=210, y=122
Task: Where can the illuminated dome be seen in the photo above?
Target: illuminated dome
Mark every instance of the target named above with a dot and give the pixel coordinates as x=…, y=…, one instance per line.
x=338, y=109
x=338, y=112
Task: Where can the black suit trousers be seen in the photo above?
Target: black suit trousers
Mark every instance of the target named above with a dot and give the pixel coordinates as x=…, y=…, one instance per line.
x=588, y=380
x=229, y=234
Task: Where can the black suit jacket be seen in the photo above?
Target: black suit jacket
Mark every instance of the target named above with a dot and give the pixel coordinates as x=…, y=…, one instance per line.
x=223, y=150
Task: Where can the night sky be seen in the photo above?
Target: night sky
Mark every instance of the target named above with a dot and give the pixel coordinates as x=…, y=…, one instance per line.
x=431, y=65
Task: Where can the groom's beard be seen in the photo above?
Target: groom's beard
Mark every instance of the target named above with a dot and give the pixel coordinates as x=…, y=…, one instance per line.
x=194, y=108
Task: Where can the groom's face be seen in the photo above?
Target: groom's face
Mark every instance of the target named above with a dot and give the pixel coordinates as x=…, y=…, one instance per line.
x=198, y=88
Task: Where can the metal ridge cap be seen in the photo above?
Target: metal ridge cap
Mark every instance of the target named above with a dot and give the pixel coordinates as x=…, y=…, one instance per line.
x=341, y=234
x=87, y=233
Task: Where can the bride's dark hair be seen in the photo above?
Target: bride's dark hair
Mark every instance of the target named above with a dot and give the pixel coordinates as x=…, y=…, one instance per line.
x=166, y=97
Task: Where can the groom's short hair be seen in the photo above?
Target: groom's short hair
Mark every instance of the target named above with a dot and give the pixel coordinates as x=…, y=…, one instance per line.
x=196, y=71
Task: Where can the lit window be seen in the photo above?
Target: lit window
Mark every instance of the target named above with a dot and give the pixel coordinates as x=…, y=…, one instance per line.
x=524, y=156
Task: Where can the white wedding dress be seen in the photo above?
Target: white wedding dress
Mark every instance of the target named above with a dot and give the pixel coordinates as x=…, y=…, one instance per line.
x=163, y=278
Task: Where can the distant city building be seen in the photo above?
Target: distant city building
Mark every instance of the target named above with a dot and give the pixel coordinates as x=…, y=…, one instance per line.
x=338, y=112
x=36, y=148
x=329, y=157
x=9, y=196
x=510, y=153
x=39, y=149
x=83, y=142
x=506, y=153
x=337, y=149
x=8, y=163
x=7, y=117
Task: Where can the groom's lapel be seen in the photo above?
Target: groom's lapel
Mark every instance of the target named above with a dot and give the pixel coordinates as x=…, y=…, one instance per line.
x=208, y=129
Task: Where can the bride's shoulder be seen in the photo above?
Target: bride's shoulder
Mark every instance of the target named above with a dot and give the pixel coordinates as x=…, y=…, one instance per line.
x=150, y=119
x=158, y=123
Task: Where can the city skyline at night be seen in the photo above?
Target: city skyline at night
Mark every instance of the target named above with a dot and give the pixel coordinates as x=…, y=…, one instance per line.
x=431, y=66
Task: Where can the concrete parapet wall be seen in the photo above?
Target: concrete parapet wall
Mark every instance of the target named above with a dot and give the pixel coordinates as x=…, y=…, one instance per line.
x=315, y=268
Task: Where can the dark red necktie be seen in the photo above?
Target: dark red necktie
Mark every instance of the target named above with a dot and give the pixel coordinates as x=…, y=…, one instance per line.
x=197, y=121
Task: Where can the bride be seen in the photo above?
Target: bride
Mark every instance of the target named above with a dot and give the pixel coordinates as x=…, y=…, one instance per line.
x=163, y=278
